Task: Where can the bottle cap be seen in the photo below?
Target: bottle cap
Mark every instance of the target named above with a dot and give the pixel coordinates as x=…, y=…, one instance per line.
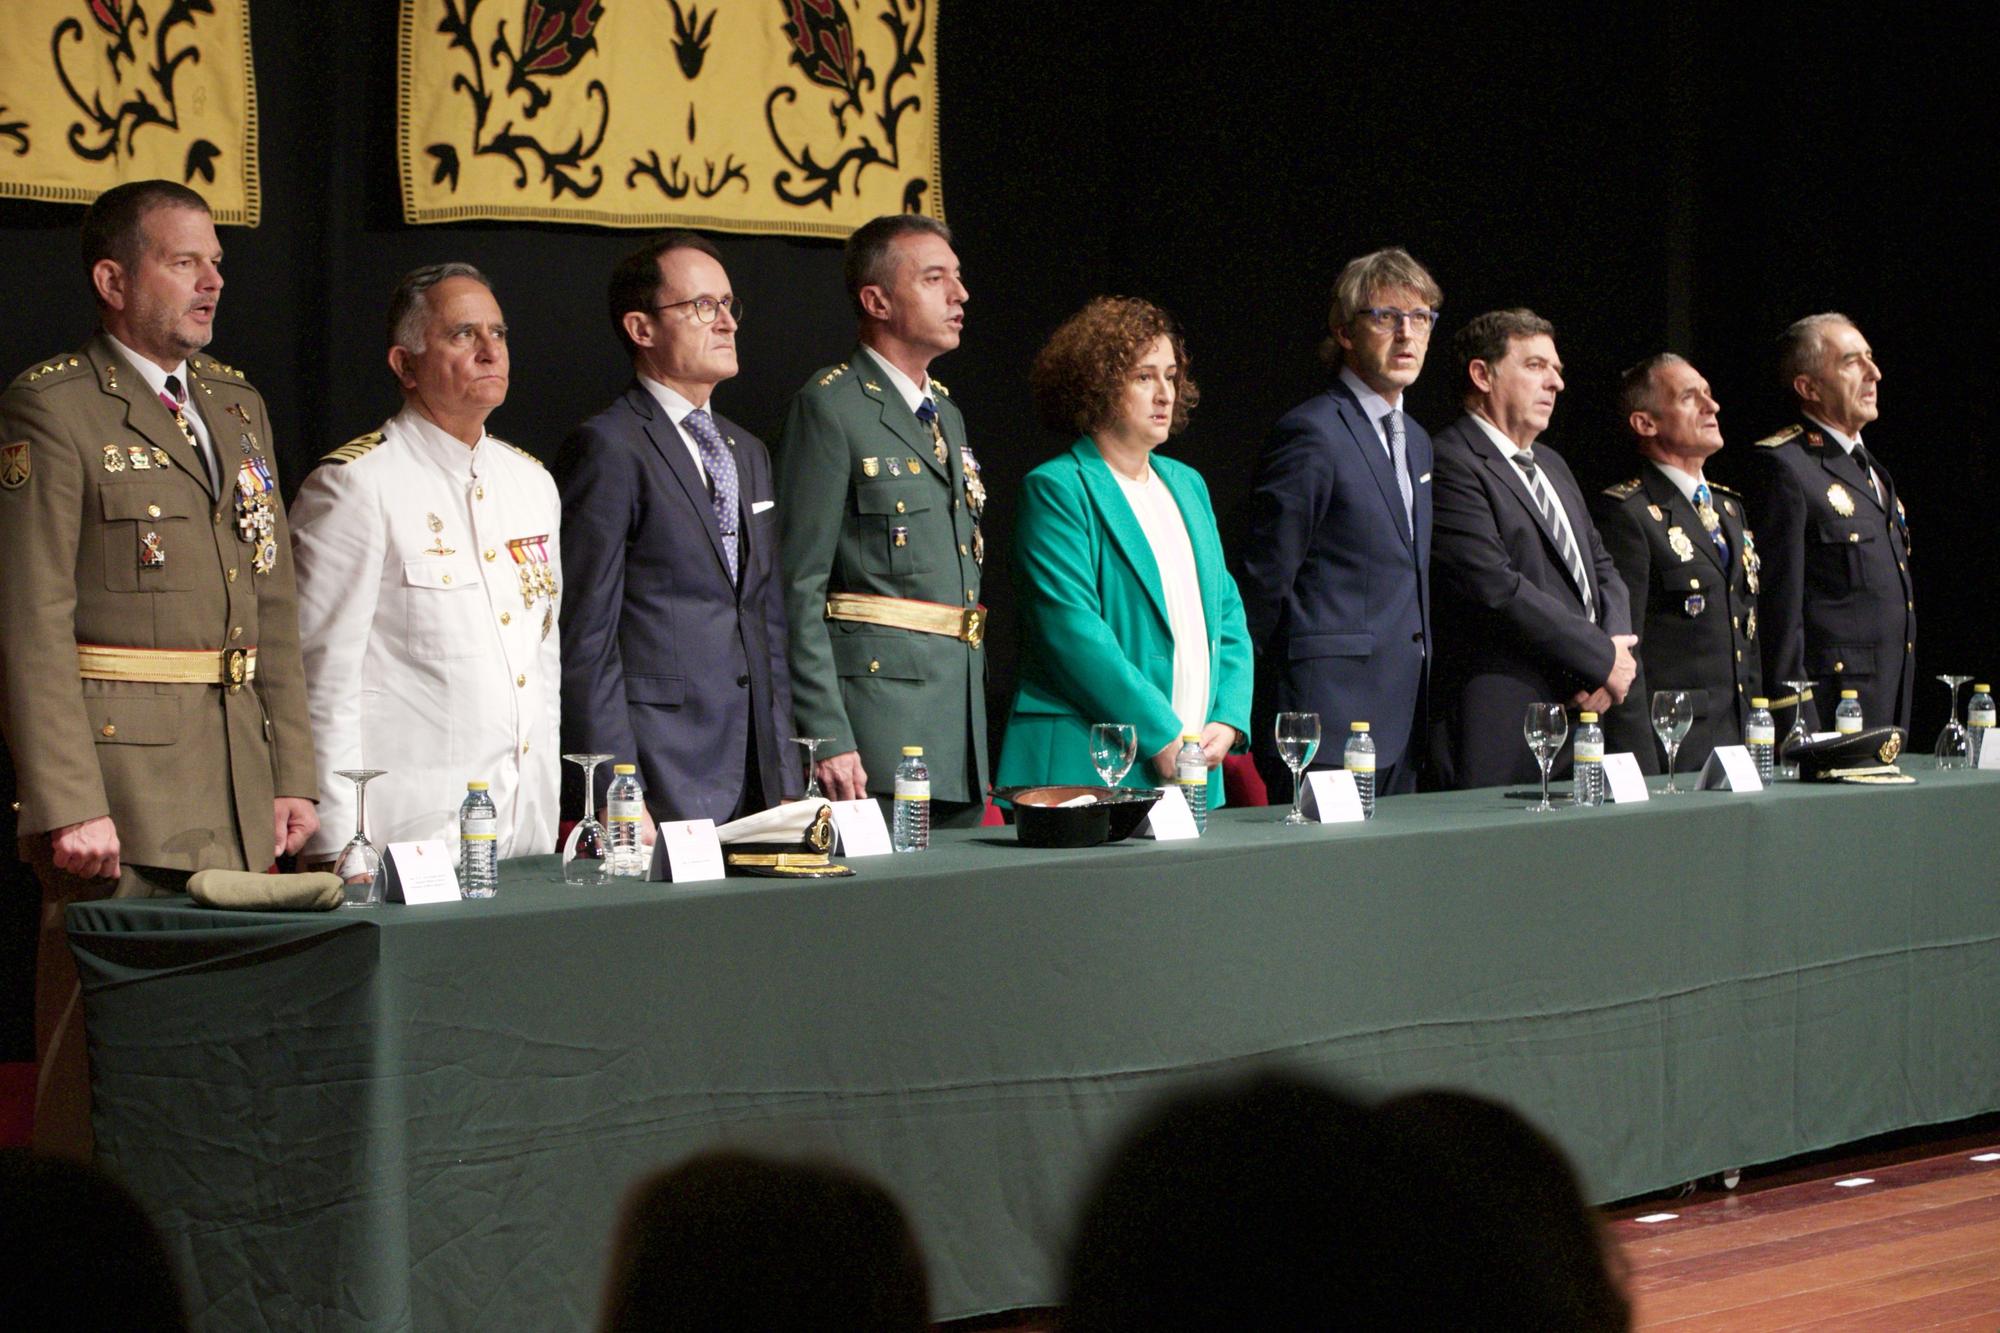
x=1850, y=694
x=1982, y=689
x=624, y=768
x=913, y=752
x=1357, y=726
x=1759, y=701
x=475, y=786
x=1187, y=736
x=1586, y=717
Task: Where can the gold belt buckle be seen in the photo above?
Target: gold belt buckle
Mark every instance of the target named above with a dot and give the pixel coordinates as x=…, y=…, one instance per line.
x=975, y=625
x=235, y=664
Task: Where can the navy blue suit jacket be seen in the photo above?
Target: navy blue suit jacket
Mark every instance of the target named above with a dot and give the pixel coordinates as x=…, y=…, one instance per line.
x=1335, y=580
x=664, y=661
x=1513, y=625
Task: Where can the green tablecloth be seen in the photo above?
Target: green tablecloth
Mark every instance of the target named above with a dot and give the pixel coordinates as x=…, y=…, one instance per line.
x=423, y=1117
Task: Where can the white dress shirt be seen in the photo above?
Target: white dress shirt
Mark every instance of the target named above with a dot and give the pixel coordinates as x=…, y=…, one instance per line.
x=423, y=655
x=1166, y=533
x=913, y=393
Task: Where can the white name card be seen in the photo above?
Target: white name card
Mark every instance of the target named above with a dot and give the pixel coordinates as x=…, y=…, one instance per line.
x=689, y=851
x=1331, y=797
x=1730, y=768
x=1623, y=780
x=1170, y=818
x=1989, y=747
x=422, y=872
x=860, y=827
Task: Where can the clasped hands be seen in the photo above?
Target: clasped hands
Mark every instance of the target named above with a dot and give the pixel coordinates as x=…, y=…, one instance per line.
x=1623, y=668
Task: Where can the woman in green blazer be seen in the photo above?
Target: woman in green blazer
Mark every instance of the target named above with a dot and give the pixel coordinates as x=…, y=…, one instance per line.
x=1128, y=613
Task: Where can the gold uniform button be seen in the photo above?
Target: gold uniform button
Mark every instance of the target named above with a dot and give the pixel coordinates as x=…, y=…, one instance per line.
x=524, y=747
x=489, y=553
x=110, y=730
x=963, y=550
x=875, y=665
x=479, y=492
x=522, y=681
x=1840, y=666
x=152, y=511
x=218, y=518
x=900, y=506
x=506, y=618
x=1909, y=647
x=1854, y=536
x=971, y=596
x=235, y=631
x=231, y=576
x=447, y=578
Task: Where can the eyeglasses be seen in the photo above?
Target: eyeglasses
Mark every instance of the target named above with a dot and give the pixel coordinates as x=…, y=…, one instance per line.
x=1387, y=319
x=706, y=308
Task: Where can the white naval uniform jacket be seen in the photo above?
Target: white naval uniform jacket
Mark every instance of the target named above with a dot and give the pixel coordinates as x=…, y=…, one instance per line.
x=423, y=656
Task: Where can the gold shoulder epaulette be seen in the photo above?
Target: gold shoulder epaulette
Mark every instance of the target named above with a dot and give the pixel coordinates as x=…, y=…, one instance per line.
x=1624, y=490
x=354, y=448
x=1726, y=490
x=1784, y=436
x=833, y=375
x=939, y=386
x=517, y=449
x=210, y=366
x=60, y=367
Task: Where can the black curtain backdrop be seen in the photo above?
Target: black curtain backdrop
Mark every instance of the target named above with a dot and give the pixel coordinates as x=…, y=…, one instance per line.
x=1689, y=177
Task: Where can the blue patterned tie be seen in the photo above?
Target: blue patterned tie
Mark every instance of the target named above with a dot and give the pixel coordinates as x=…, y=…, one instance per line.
x=1704, y=504
x=722, y=486
x=1399, y=455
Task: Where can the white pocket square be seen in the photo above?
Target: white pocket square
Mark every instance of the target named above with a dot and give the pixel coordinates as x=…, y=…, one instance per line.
x=759, y=506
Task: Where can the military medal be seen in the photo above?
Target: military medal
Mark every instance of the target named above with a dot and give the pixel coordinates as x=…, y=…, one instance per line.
x=538, y=580
x=1707, y=515
x=256, y=524
x=114, y=460
x=142, y=458
x=1750, y=624
x=1752, y=563
x=437, y=546
x=871, y=467
x=151, y=554
x=899, y=535
x=975, y=500
x=548, y=619
x=249, y=440
x=1842, y=502
x=1679, y=541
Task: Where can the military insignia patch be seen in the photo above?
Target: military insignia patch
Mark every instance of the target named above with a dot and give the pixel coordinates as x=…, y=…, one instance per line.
x=114, y=458
x=895, y=468
x=142, y=458
x=1842, y=502
x=14, y=466
x=871, y=467
x=1654, y=510
x=916, y=467
x=1678, y=539
x=152, y=555
x=1891, y=747
x=899, y=535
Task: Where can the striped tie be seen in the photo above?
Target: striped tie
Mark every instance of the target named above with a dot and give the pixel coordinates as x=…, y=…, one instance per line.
x=1559, y=533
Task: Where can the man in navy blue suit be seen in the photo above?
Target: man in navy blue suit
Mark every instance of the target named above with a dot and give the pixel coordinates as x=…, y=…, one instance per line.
x=1531, y=608
x=673, y=623
x=1335, y=565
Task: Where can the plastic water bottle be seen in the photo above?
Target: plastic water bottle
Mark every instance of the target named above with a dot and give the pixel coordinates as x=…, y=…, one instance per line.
x=1588, y=759
x=910, y=827
x=1847, y=717
x=1359, y=759
x=1979, y=717
x=1191, y=776
x=1760, y=734
x=478, y=843
x=625, y=808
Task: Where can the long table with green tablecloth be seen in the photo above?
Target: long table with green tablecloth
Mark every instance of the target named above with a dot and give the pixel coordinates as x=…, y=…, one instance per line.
x=423, y=1117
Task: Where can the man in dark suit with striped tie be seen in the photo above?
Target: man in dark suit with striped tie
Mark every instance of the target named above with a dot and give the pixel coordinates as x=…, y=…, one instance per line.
x=1530, y=607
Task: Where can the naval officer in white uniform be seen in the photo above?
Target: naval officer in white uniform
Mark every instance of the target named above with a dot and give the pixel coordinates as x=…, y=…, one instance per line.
x=429, y=587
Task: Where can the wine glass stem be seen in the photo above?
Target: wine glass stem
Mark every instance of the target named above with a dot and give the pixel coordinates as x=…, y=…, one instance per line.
x=1545, y=778
x=361, y=808
x=1673, y=753
x=1298, y=791
x=590, y=790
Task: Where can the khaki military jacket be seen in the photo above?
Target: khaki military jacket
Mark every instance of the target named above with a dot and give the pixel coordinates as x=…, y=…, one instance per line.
x=864, y=506
x=110, y=534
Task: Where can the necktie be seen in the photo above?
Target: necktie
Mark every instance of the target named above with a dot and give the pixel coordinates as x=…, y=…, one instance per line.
x=1559, y=533
x=174, y=399
x=927, y=414
x=1862, y=457
x=723, y=495
x=1399, y=454
x=1704, y=505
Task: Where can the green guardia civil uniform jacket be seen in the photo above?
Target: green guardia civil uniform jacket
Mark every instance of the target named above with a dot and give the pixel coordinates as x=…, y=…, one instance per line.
x=864, y=507
x=110, y=534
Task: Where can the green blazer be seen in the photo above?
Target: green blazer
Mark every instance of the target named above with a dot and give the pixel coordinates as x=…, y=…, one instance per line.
x=864, y=507
x=1095, y=642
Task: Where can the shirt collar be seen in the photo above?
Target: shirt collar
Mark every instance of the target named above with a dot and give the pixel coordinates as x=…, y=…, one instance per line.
x=441, y=447
x=1373, y=404
x=675, y=406
x=1508, y=449
x=913, y=393
x=1847, y=444
x=149, y=370
x=1681, y=480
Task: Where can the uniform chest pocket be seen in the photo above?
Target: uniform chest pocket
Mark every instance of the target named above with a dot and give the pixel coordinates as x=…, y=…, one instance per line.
x=1847, y=547
x=151, y=541
x=445, y=607
x=895, y=526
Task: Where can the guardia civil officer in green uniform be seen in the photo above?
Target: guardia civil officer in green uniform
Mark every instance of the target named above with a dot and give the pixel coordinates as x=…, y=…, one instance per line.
x=879, y=502
x=155, y=707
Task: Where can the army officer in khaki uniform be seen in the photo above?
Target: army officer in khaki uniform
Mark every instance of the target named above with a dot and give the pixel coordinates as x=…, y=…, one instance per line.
x=879, y=502
x=155, y=709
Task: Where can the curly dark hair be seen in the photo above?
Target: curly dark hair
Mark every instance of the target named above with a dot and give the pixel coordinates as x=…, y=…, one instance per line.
x=1079, y=375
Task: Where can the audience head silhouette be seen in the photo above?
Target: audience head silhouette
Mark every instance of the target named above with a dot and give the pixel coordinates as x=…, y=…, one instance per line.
x=81, y=1254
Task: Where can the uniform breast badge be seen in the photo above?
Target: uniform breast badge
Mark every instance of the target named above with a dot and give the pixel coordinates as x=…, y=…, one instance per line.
x=1842, y=502
x=256, y=521
x=114, y=458
x=1752, y=564
x=899, y=535
x=538, y=579
x=152, y=555
x=1654, y=510
x=160, y=457
x=871, y=467
x=141, y=456
x=895, y=467
x=248, y=442
x=1709, y=518
x=975, y=500
x=437, y=546
x=14, y=466
x=1695, y=604
x=1683, y=547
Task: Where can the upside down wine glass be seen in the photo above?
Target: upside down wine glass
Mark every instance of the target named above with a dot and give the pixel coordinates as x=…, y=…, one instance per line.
x=1954, y=747
x=1297, y=735
x=1800, y=734
x=1545, y=727
x=359, y=864
x=587, y=854
x=811, y=744
x=1673, y=714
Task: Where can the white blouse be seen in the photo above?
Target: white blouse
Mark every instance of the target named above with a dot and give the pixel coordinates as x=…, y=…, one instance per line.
x=1166, y=533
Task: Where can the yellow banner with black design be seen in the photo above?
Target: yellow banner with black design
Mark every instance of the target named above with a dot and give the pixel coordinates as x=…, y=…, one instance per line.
x=805, y=117
x=97, y=92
